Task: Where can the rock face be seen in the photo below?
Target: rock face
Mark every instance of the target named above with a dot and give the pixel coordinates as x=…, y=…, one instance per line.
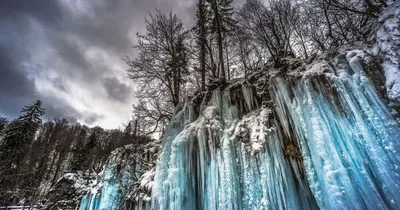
x=68, y=191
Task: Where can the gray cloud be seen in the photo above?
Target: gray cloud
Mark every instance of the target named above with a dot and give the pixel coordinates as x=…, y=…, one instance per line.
x=58, y=108
x=117, y=90
x=16, y=89
x=58, y=83
x=48, y=11
x=92, y=118
x=68, y=54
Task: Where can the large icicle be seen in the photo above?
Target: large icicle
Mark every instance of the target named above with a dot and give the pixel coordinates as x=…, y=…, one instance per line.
x=349, y=139
x=225, y=160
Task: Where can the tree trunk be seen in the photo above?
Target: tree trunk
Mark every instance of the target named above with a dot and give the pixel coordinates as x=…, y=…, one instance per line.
x=220, y=42
x=227, y=60
x=202, y=47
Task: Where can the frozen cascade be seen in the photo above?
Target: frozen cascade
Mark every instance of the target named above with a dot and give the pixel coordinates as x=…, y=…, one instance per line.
x=227, y=159
x=328, y=142
x=117, y=176
x=315, y=139
x=109, y=196
x=240, y=155
x=348, y=138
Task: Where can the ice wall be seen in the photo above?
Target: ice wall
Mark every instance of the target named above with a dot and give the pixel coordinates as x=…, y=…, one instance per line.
x=329, y=142
x=231, y=157
x=109, y=197
x=349, y=140
x=315, y=139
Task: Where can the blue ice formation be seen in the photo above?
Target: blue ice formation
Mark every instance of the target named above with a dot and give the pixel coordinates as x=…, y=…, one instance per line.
x=349, y=139
x=328, y=142
x=219, y=161
x=109, y=198
x=117, y=176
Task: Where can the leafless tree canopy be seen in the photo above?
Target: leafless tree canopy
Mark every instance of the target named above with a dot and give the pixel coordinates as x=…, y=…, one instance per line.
x=227, y=43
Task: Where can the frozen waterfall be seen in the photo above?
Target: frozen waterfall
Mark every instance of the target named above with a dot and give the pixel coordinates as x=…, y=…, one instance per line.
x=324, y=141
x=319, y=136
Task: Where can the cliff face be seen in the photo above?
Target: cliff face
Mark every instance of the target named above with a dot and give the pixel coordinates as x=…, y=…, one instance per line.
x=319, y=134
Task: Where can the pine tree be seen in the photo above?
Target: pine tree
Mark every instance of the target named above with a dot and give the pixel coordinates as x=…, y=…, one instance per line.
x=128, y=135
x=82, y=153
x=18, y=136
x=92, y=142
x=3, y=124
x=22, y=131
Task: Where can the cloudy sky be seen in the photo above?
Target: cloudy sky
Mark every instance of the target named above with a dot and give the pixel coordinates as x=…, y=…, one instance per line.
x=68, y=53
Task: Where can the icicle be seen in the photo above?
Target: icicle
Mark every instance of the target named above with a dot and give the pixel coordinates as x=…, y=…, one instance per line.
x=209, y=163
x=351, y=155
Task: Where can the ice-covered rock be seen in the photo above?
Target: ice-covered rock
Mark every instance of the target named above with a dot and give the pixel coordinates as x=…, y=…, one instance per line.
x=388, y=41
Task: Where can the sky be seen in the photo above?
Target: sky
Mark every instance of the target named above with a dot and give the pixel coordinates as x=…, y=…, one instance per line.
x=68, y=54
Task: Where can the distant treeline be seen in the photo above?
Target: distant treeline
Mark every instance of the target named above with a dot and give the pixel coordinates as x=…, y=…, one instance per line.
x=35, y=154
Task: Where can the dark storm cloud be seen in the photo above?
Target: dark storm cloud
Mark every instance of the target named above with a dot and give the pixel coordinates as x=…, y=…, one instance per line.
x=117, y=90
x=16, y=89
x=59, y=108
x=92, y=118
x=53, y=49
x=48, y=11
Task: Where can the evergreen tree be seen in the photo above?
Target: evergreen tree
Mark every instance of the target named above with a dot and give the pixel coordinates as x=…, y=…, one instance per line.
x=3, y=124
x=18, y=136
x=92, y=142
x=127, y=136
x=22, y=131
x=82, y=153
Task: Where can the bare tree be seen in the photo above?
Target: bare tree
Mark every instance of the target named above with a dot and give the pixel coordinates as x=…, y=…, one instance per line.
x=160, y=68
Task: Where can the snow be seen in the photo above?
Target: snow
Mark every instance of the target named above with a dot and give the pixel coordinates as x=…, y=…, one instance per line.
x=252, y=128
x=388, y=41
x=81, y=183
x=18, y=208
